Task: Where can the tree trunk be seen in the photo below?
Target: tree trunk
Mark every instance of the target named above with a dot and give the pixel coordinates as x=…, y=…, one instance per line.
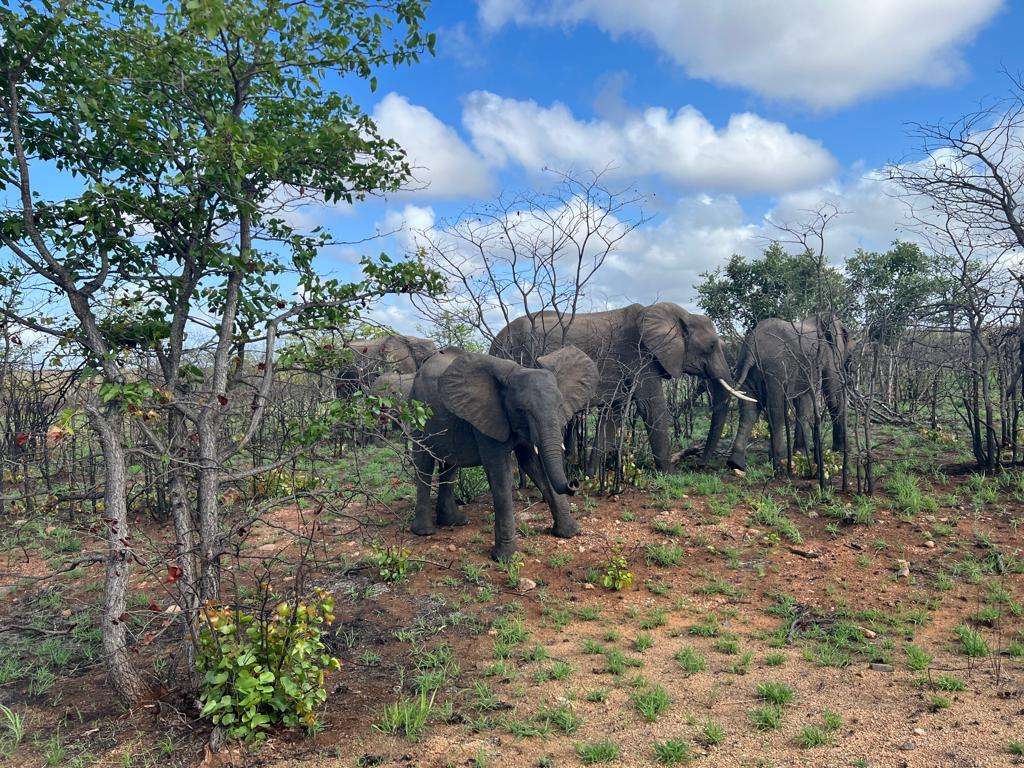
x=114, y=622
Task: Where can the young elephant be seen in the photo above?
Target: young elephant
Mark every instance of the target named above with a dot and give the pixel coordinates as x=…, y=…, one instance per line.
x=484, y=409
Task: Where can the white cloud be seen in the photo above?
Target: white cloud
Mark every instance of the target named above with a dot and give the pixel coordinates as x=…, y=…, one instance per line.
x=665, y=259
x=749, y=154
x=408, y=225
x=826, y=54
x=442, y=163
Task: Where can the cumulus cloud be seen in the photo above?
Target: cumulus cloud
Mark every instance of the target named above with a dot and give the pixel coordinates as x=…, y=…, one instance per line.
x=442, y=163
x=665, y=259
x=748, y=154
x=825, y=54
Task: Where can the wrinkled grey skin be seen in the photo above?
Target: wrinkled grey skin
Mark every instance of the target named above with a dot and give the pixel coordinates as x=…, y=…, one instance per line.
x=484, y=409
x=396, y=385
x=635, y=348
x=389, y=354
x=777, y=363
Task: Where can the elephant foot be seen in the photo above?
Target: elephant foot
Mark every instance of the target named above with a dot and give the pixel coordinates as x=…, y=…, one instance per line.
x=502, y=552
x=423, y=527
x=452, y=517
x=565, y=528
x=737, y=464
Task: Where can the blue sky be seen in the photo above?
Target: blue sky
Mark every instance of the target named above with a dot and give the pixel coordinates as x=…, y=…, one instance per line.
x=728, y=112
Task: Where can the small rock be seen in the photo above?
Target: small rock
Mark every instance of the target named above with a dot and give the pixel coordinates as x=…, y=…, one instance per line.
x=930, y=544
x=879, y=667
x=525, y=585
x=906, y=746
x=588, y=585
x=452, y=548
x=919, y=731
x=173, y=608
x=812, y=514
x=869, y=634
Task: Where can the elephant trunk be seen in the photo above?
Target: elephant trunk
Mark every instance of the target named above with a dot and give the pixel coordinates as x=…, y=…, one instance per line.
x=552, y=458
x=721, y=377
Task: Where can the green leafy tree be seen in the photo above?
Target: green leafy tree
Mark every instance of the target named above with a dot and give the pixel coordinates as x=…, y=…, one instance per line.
x=890, y=288
x=778, y=284
x=187, y=131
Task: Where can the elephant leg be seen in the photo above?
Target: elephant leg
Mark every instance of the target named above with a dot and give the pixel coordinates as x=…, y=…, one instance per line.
x=719, y=413
x=608, y=424
x=448, y=512
x=563, y=524
x=654, y=414
x=835, y=401
x=497, y=462
x=423, y=463
x=749, y=413
x=801, y=434
x=776, y=411
x=803, y=438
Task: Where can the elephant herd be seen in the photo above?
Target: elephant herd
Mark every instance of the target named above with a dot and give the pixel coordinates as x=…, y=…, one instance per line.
x=543, y=368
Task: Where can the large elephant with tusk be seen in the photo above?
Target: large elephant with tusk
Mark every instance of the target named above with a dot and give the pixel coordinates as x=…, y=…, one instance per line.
x=484, y=409
x=635, y=348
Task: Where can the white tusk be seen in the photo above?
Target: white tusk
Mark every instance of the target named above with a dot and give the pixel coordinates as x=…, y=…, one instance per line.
x=563, y=447
x=536, y=450
x=734, y=393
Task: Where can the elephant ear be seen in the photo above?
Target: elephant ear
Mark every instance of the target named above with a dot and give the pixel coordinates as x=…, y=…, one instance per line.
x=576, y=375
x=663, y=331
x=471, y=389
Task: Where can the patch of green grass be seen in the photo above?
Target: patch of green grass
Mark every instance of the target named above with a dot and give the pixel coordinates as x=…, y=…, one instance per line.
x=407, y=717
x=651, y=703
x=673, y=751
x=667, y=528
x=728, y=644
x=664, y=554
x=742, y=665
x=592, y=752
x=833, y=720
x=766, y=718
x=811, y=736
x=937, y=702
x=711, y=626
x=656, y=617
x=711, y=733
x=1016, y=748
x=771, y=514
x=598, y=696
x=691, y=660
x=718, y=586
x=775, y=659
x=949, y=683
x=562, y=717
x=917, y=658
x=643, y=641
x=775, y=693
x=972, y=643
x=908, y=498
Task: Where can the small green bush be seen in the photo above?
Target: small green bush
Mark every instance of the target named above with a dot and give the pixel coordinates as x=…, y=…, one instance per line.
x=259, y=671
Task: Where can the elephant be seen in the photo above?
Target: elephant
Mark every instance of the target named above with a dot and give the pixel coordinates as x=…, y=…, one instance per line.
x=484, y=409
x=635, y=348
x=394, y=353
x=396, y=385
x=777, y=361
